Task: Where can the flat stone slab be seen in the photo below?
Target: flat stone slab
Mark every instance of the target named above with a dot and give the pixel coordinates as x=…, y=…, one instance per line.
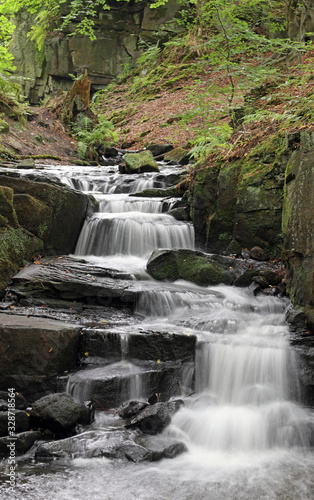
x=71, y=279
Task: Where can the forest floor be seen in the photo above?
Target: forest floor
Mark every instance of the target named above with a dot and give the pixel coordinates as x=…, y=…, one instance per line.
x=174, y=111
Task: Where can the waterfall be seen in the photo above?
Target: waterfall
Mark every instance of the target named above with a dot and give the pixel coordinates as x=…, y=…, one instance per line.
x=132, y=233
x=247, y=435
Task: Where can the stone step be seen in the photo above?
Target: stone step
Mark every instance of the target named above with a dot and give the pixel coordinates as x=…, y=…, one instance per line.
x=109, y=386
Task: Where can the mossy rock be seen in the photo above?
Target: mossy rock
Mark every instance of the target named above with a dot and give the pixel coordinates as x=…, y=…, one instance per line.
x=65, y=214
x=6, y=206
x=26, y=163
x=16, y=248
x=178, y=155
x=33, y=215
x=140, y=162
x=171, y=265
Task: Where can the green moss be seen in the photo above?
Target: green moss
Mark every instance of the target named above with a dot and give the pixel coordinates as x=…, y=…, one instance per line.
x=187, y=265
x=140, y=162
x=16, y=248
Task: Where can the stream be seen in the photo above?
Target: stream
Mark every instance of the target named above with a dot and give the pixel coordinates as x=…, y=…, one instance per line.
x=247, y=435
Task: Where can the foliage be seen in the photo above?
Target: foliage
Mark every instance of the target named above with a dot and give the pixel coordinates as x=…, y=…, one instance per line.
x=92, y=139
x=10, y=99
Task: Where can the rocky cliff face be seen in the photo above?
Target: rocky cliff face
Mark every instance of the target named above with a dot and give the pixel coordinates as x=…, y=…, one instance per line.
x=298, y=225
x=265, y=200
x=118, y=33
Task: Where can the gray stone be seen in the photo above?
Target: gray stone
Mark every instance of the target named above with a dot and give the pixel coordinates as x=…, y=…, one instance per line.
x=57, y=412
x=24, y=441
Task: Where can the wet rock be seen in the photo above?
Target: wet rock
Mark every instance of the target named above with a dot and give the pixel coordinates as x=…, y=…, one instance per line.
x=139, y=163
x=24, y=441
x=158, y=193
x=155, y=418
x=261, y=281
x=67, y=279
x=57, y=412
x=87, y=413
x=134, y=453
x=181, y=213
x=169, y=384
x=255, y=288
x=34, y=350
x=188, y=265
x=258, y=253
x=128, y=410
x=163, y=346
x=21, y=420
x=272, y=291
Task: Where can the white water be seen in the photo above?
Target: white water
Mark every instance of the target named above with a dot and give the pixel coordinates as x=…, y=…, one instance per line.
x=248, y=438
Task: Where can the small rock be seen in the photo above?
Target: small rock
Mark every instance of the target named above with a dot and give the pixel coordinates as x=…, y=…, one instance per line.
x=258, y=253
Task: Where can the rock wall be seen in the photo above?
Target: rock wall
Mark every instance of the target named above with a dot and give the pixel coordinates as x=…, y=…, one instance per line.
x=118, y=33
x=238, y=204
x=265, y=200
x=298, y=221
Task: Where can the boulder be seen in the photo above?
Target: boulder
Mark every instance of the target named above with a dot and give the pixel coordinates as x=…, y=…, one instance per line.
x=57, y=412
x=33, y=351
x=188, y=265
x=139, y=162
x=177, y=156
x=258, y=253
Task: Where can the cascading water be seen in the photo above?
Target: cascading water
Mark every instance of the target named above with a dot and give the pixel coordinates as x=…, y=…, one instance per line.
x=247, y=436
